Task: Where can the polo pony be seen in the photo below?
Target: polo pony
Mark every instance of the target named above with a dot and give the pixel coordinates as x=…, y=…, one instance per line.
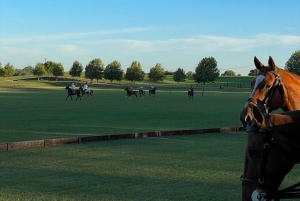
x=190, y=94
x=88, y=92
x=130, y=93
x=273, y=148
x=152, y=91
x=72, y=93
x=274, y=88
x=141, y=92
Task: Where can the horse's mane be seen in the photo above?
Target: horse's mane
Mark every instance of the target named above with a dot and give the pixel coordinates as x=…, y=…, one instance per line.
x=288, y=73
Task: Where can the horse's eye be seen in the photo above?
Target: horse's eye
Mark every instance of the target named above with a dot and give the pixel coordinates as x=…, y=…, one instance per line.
x=253, y=152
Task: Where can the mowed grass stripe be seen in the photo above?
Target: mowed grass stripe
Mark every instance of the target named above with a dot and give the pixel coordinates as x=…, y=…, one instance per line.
x=195, y=167
x=45, y=114
x=192, y=167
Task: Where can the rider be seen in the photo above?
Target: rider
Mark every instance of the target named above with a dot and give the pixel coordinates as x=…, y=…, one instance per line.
x=152, y=88
x=73, y=86
x=130, y=89
x=85, y=87
x=141, y=88
x=191, y=89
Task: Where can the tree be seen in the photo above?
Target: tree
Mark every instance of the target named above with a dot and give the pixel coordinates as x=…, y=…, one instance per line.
x=113, y=71
x=179, y=75
x=156, y=73
x=253, y=72
x=1, y=71
x=25, y=71
x=168, y=72
x=228, y=73
x=76, y=69
x=135, y=72
x=7, y=71
x=58, y=70
x=293, y=64
x=49, y=67
x=39, y=70
x=206, y=71
x=94, y=70
x=189, y=74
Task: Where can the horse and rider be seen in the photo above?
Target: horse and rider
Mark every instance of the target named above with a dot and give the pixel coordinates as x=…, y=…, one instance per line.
x=141, y=91
x=130, y=92
x=85, y=90
x=152, y=90
x=191, y=92
x=72, y=91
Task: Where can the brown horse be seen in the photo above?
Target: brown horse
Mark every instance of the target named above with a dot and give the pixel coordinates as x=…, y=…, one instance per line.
x=152, y=91
x=274, y=88
x=190, y=94
x=128, y=93
x=88, y=92
x=273, y=149
x=72, y=93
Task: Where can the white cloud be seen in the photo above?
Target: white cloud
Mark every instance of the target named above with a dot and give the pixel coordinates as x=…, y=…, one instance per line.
x=274, y=39
x=67, y=49
x=172, y=52
x=68, y=36
x=201, y=43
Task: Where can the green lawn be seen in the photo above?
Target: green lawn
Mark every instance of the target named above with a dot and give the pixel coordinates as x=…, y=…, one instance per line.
x=195, y=167
x=43, y=113
x=202, y=167
x=191, y=167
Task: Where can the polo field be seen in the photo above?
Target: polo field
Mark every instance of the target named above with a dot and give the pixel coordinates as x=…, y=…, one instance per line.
x=183, y=167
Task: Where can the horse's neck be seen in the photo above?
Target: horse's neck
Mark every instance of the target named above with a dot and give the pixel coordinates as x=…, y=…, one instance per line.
x=291, y=90
x=287, y=124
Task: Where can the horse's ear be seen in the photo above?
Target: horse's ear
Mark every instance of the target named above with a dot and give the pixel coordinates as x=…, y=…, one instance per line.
x=258, y=64
x=272, y=63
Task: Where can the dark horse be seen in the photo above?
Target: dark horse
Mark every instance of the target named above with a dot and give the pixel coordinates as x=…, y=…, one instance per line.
x=142, y=93
x=88, y=92
x=71, y=93
x=128, y=93
x=190, y=94
x=272, y=150
x=152, y=91
x=274, y=88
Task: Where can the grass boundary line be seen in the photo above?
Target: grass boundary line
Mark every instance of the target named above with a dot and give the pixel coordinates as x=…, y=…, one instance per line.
x=61, y=141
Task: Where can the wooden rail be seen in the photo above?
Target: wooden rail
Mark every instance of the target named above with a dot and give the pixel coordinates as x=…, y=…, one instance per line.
x=60, y=141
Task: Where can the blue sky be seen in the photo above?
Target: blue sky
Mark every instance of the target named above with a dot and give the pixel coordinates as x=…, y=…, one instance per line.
x=174, y=33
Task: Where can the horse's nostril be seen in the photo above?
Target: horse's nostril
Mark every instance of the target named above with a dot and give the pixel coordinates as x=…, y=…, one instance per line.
x=247, y=119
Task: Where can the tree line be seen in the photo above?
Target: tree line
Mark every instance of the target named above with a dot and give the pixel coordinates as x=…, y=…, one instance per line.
x=205, y=71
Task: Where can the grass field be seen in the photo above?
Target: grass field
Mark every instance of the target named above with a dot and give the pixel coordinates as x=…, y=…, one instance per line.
x=196, y=167
x=192, y=167
x=43, y=113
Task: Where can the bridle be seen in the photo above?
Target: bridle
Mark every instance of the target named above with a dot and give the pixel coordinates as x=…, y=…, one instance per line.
x=268, y=100
x=261, y=193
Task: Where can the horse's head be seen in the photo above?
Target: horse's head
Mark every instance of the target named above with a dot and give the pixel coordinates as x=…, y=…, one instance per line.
x=266, y=89
x=67, y=87
x=271, y=153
